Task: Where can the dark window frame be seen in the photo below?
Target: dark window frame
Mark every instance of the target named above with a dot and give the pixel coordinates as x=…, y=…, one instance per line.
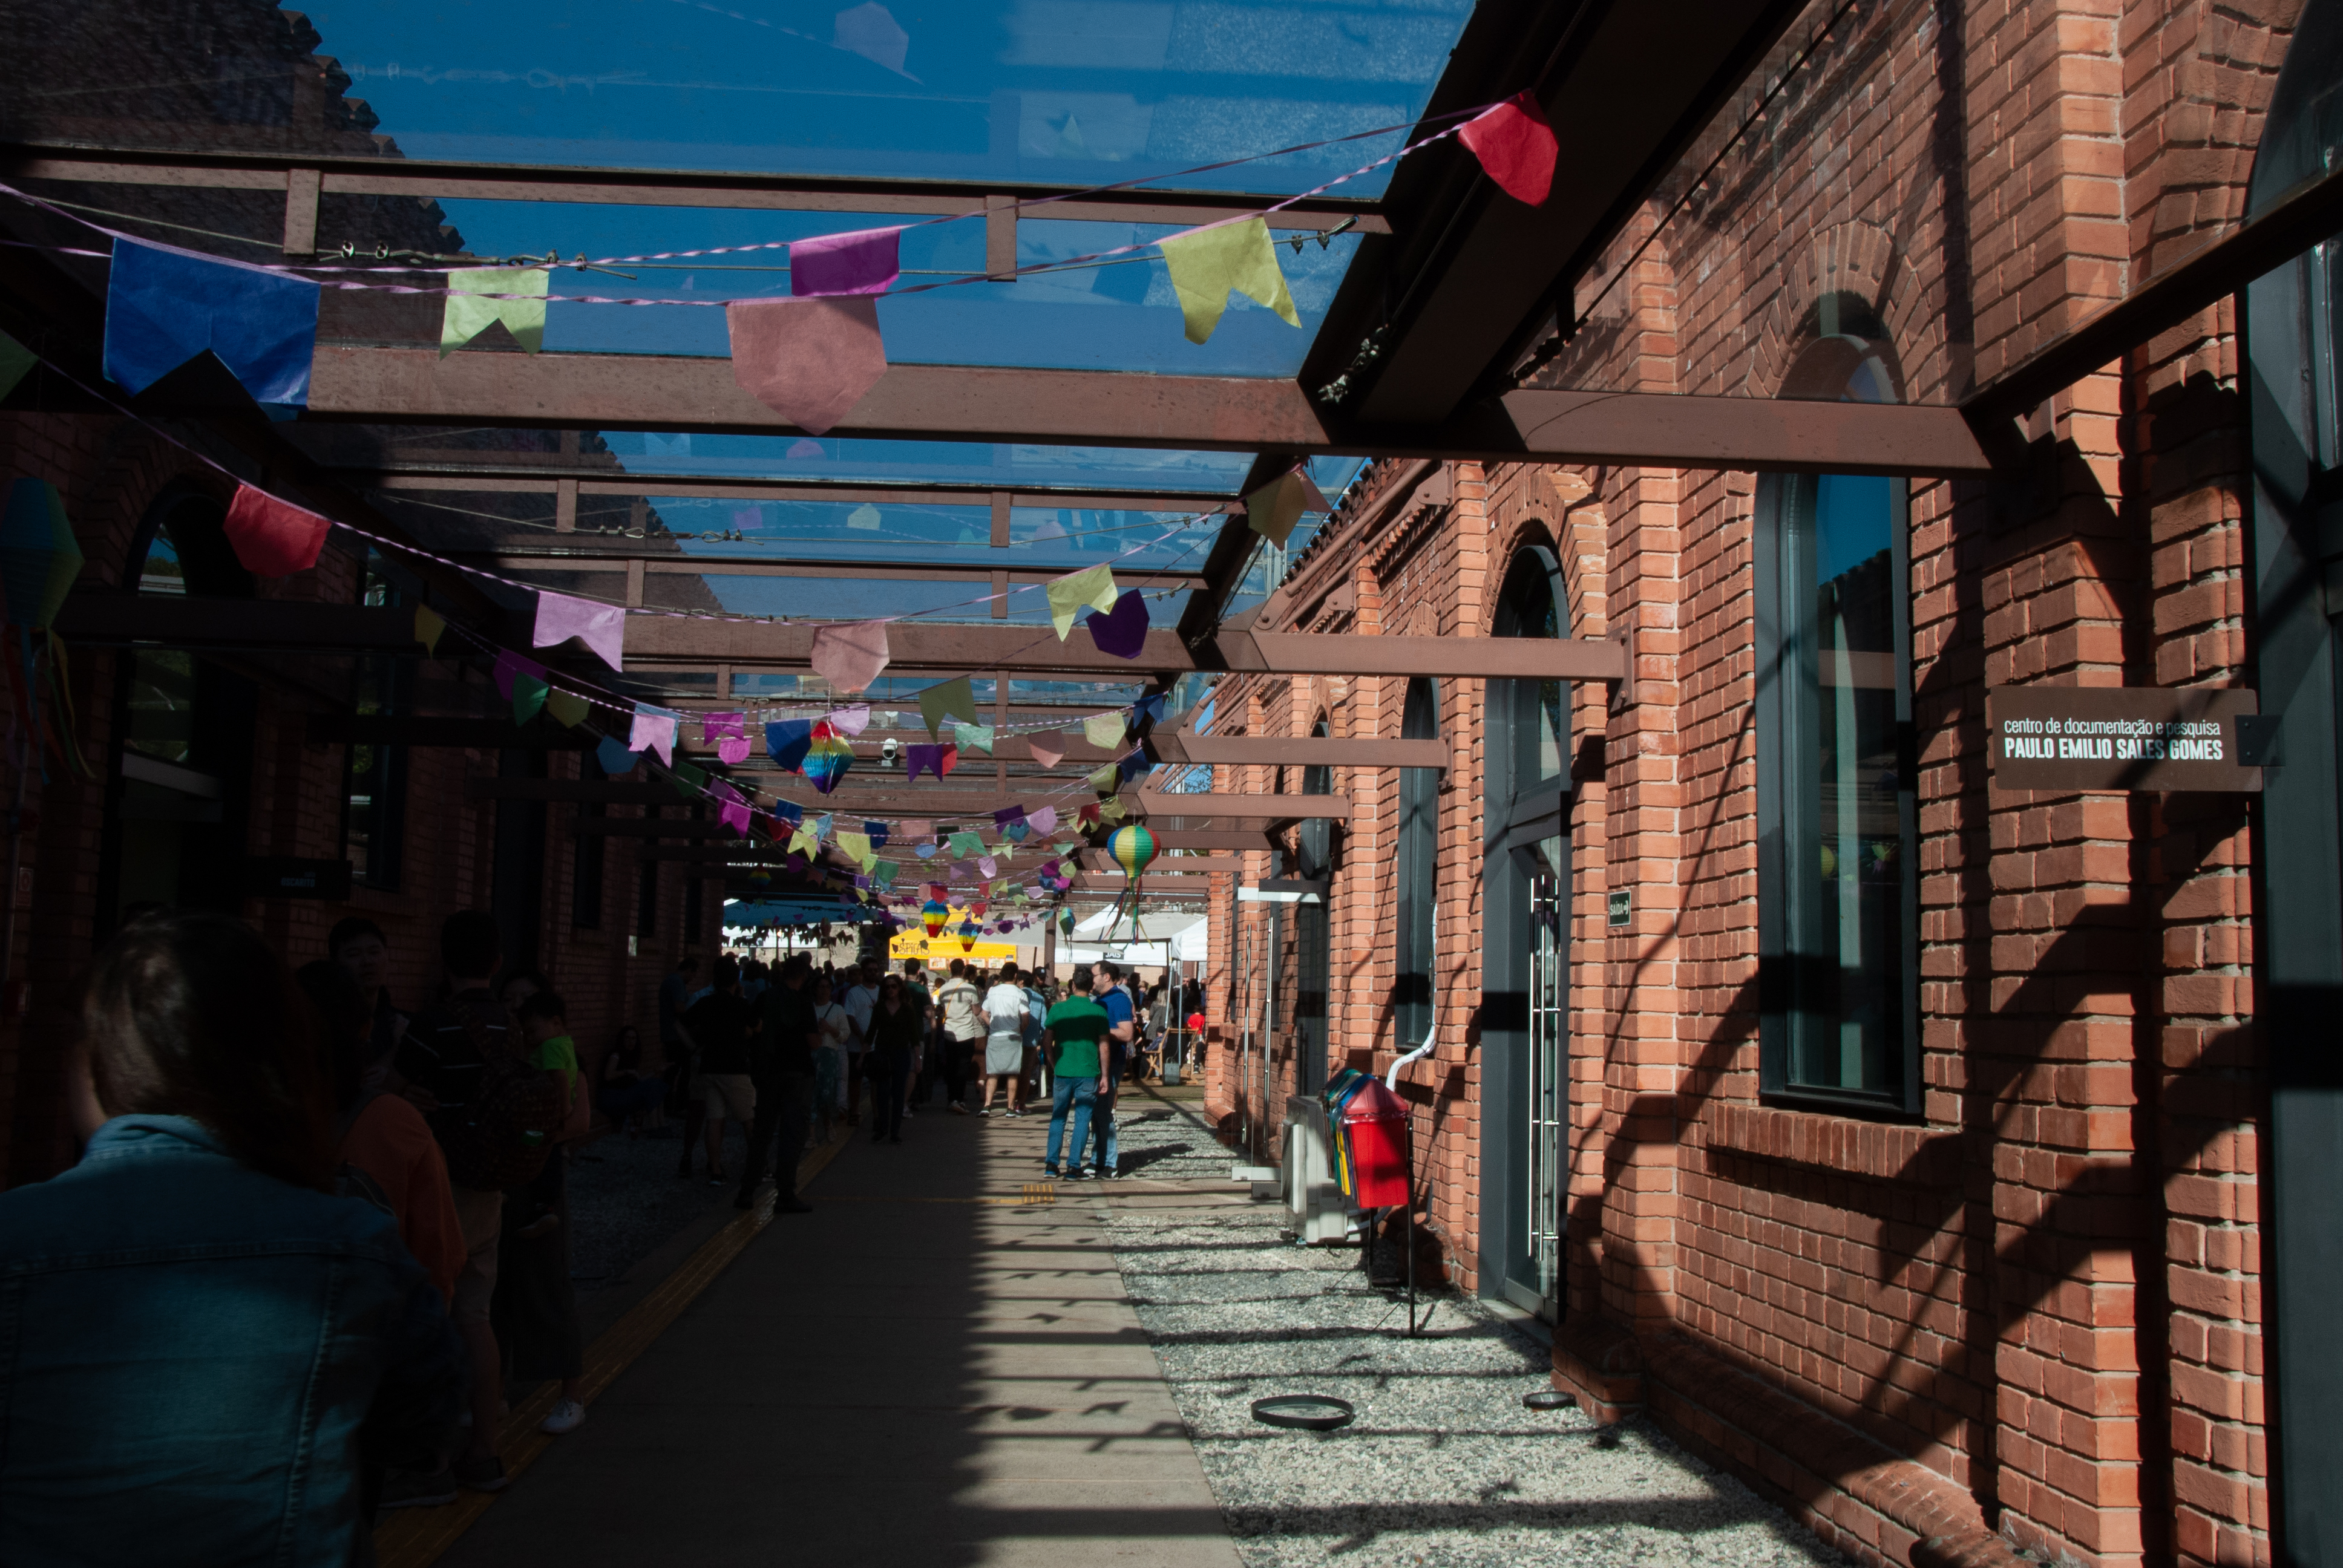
x=385, y=842
x=1779, y=968
x=1417, y=864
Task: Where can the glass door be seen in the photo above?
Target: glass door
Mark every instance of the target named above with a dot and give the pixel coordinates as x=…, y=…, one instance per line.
x=1547, y=1104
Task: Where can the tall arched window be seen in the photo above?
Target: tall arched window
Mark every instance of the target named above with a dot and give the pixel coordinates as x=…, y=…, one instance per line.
x=1837, y=890
x=1418, y=862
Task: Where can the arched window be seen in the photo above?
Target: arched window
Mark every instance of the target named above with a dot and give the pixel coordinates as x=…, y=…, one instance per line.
x=1419, y=867
x=1838, y=892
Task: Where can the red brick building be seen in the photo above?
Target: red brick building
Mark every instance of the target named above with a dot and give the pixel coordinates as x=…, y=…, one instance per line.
x=1895, y=1139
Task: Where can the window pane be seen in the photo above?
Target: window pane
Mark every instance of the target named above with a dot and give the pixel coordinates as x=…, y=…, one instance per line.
x=1845, y=841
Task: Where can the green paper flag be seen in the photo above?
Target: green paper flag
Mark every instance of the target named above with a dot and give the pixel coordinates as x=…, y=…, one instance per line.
x=1103, y=730
x=1207, y=263
x=1106, y=780
x=965, y=845
x=883, y=872
x=938, y=703
x=568, y=708
x=16, y=362
x=1094, y=587
x=528, y=695
x=1274, y=509
x=427, y=627
x=688, y=779
x=973, y=738
x=469, y=314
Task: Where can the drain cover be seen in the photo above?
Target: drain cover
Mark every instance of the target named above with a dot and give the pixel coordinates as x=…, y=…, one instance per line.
x=1309, y=1412
x=1548, y=1399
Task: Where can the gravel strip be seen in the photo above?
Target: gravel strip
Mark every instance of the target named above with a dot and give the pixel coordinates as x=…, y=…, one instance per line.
x=1442, y=1466
x=626, y=1200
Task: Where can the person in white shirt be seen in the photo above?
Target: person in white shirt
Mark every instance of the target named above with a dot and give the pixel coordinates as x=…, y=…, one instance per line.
x=860, y=997
x=1003, y=1011
x=832, y=1029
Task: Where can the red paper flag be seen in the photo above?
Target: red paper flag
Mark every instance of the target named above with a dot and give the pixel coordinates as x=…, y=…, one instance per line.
x=1515, y=144
x=271, y=537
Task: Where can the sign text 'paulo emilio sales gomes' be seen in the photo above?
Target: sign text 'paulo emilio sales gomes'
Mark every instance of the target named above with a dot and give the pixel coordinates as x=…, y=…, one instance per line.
x=2117, y=737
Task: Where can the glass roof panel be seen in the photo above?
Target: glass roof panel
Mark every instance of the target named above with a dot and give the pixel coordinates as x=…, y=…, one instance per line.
x=1079, y=92
x=1005, y=465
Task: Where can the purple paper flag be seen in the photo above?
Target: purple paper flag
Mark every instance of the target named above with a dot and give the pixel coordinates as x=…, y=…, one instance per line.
x=1042, y=821
x=732, y=751
x=986, y=864
x=862, y=262
x=736, y=817
x=1122, y=632
x=510, y=663
x=715, y=726
x=936, y=759
x=601, y=627
x=849, y=656
x=850, y=721
x=655, y=730
x=810, y=361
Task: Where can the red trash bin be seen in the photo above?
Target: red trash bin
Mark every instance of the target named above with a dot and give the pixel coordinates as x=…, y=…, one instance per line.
x=1374, y=1126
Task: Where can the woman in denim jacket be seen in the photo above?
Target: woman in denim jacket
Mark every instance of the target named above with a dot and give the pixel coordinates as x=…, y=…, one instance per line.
x=199, y=1342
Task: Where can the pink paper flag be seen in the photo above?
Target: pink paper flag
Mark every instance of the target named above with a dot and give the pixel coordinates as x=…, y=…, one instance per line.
x=986, y=864
x=507, y=664
x=849, y=656
x=656, y=731
x=850, y=721
x=715, y=726
x=1122, y=632
x=601, y=627
x=1515, y=144
x=736, y=816
x=1049, y=752
x=732, y=751
x=810, y=361
x=273, y=537
x=860, y=262
x=1042, y=820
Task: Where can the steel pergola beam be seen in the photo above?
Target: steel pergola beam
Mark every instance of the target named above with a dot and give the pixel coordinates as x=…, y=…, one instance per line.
x=509, y=478
x=1302, y=751
x=1244, y=807
x=970, y=403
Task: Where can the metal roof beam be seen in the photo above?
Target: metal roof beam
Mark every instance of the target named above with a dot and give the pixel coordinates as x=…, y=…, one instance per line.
x=510, y=478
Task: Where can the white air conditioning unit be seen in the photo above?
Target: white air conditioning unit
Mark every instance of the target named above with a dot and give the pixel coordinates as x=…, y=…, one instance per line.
x=1316, y=1212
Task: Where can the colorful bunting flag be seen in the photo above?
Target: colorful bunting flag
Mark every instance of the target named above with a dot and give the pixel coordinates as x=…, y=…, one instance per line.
x=509, y=665
x=273, y=539
x=877, y=833
x=1516, y=147
x=952, y=698
x=1207, y=263
x=973, y=738
x=1121, y=632
x=528, y=694
x=16, y=362
x=568, y=708
x=810, y=361
x=429, y=624
x=614, y=757
x=850, y=720
x=717, y=727
x=1148, y=709
x=1044, y=820
x=732, y=751
x=654, y=731
x=787, y=740
x=1103, y=730
x=1093, y=587
x=849, y=656
x=861, y=261
x=1048, y=751
x=165, y=306
x=1105, y=779
x=688, y=781
x=602, y=628
x=469, y=313
x=1272, y=510
x=39, y=557
x=939, y=761
x=828, y=759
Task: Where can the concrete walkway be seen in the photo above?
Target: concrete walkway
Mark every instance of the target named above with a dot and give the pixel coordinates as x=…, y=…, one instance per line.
x=930, y=1368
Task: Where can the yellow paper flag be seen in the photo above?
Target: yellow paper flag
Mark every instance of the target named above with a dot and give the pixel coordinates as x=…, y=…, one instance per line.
x=1112, y=809
x=804, y=843
x=427, y=627
x=857, y=848
x=1103, y=730
x=1274, y=509
x=1106, y=780
x=469, y=313
x=566, y=706
x=1207, y=263
x=1094, y=588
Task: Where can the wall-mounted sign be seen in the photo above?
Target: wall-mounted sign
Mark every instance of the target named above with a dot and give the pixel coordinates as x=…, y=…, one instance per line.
x=279, y=878
x=2118, y=737
x=1623, y=907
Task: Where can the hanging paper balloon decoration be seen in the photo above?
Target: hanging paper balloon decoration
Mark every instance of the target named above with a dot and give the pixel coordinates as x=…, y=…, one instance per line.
x=933, y=916
x=1133, y=848
x=760, y=876
x=828, y=757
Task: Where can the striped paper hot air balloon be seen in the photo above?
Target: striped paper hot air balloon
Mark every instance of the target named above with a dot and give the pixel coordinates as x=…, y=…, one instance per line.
x=933, y=916
x=1133, y=848
x=968, y=934
x=828, y=757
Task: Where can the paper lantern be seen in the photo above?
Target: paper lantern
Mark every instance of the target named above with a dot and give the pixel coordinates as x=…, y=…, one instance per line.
x=826, y=759
x=39, y=557
x=933, y=916
x=968, y=934
x=761, y=877
x=1133, y=848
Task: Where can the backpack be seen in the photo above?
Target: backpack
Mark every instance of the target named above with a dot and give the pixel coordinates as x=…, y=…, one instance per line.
x=500, y=1139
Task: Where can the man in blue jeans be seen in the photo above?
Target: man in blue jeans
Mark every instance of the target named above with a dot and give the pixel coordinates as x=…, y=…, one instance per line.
x=1122, y=1035
x=1071, y=1037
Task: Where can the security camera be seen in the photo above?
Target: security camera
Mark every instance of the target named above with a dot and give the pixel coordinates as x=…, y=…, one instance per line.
x=886, y=752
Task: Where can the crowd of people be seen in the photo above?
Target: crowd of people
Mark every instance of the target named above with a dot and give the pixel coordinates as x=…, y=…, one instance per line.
x=313, y=1237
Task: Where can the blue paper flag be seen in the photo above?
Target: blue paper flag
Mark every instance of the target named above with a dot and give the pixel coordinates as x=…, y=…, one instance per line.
x=877, y=833
x=787, y=741
x=165, y=306
x=1148, y=707
x=788, y=811
x=1133, y=766
x=614, y=757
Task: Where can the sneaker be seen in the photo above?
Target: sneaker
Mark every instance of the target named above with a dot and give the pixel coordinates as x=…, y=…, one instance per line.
x=1111, y=1175
x=1077, y=1175
x=1014, y=1111
x=1049, y=1170
x=569, y=1415
x=481, y=1474
x=958, y=1108
x=413, y=1489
